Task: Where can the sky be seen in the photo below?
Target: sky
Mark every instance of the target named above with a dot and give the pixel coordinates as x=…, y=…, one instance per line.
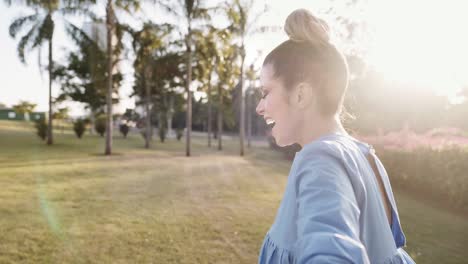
x=416, y=41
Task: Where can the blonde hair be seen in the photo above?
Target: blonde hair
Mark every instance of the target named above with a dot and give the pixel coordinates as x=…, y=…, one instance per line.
x=301, y=25
x=309, y=56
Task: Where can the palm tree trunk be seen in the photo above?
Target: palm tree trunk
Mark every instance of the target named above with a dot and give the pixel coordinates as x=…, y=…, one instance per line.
x=109, y=22
x=50, y=139
x=209, y=111
x=188, y=124
x=169, y=114
x=249, y=117
x=147, y=107
x=92, y=119
x=242, y=105
x=220, y=119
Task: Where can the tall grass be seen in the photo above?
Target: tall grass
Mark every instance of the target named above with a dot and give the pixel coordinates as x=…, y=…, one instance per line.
x=438, y=174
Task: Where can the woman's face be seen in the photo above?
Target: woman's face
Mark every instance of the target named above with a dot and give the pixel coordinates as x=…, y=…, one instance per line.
x=276, y=108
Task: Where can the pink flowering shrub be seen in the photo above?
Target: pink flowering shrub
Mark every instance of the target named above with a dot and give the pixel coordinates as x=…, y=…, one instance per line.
x=407, y=140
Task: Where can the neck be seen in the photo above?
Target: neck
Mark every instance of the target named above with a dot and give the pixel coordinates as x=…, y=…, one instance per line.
x=320, y=126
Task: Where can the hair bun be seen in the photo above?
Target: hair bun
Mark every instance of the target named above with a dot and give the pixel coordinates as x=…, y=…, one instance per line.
x=302, y=26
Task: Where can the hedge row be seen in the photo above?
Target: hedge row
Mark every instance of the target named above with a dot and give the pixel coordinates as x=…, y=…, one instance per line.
x=438, y=175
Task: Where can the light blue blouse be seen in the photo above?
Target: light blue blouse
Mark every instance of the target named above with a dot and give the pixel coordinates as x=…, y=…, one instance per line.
x=332, y=210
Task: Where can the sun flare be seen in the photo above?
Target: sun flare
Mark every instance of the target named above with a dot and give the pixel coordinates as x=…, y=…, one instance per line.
x=421, y=42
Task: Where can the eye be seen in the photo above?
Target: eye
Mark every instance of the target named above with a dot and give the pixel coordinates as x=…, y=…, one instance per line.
x=264, y=94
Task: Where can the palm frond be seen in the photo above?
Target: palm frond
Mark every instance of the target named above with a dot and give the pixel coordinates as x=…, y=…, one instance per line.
x=46, y=30
x=18, y=24
x=25, y=41
x=79, y=36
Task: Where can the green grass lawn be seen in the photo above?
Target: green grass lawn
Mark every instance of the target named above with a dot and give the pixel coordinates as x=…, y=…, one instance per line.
x=68, y=203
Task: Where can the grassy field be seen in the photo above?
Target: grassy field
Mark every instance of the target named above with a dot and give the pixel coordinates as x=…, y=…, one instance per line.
x=68, y=203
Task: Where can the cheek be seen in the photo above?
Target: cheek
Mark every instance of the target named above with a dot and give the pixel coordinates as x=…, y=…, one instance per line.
x=288, y=118
x=282, y=109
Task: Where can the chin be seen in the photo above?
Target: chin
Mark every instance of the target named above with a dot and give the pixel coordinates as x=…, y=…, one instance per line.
x=283, y=142
x=283, y=139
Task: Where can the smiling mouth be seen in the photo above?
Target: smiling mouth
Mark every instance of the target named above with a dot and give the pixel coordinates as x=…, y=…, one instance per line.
x=270, y=123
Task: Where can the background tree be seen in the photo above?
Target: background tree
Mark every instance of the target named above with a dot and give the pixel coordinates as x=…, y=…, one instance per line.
x=145, y=43
x=24, y=107
x=243, y=24
x=40, y=29
x=113, y=28
x=84, y=78
x=227, y=73
x=165, y=82
x=206, y=54
x=61, y=114
x=190, y=11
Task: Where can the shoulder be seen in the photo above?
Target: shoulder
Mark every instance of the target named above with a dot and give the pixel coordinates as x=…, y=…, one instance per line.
x=320, y=153
x=321, y=163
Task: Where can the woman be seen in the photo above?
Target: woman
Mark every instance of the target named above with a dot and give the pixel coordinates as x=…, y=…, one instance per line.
x=338, y=206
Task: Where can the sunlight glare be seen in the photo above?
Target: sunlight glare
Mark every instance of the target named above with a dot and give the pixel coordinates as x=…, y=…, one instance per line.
x=421, y=42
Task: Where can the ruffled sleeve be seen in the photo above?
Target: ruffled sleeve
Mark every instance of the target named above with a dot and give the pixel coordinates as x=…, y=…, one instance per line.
x=328, y=213
x=272, y=253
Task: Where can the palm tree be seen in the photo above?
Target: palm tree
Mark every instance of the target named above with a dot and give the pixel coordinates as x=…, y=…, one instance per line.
x=111, y=22
x=227, y=73
x=190, y=10
x=109, y=26
x=145, y=43
x=83, y=79
x=206, y=53
x=40, y=29
x=243, y=24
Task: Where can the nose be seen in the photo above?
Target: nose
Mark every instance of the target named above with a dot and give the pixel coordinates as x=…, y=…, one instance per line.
x=260, y=107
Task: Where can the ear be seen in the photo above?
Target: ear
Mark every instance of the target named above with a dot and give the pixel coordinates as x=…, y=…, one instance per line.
x=303, y=95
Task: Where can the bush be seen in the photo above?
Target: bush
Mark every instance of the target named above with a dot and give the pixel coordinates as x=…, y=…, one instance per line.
x=162, y=130
x=79, y=127
x=41, y=128
x=179, y=133
x=100, y=125
x=124, y=128
x=439, y=175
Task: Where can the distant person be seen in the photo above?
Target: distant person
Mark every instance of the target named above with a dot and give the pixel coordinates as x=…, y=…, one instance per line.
x=338, y=206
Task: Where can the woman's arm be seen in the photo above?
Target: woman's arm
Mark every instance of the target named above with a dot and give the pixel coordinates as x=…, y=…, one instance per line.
x=328, y=214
